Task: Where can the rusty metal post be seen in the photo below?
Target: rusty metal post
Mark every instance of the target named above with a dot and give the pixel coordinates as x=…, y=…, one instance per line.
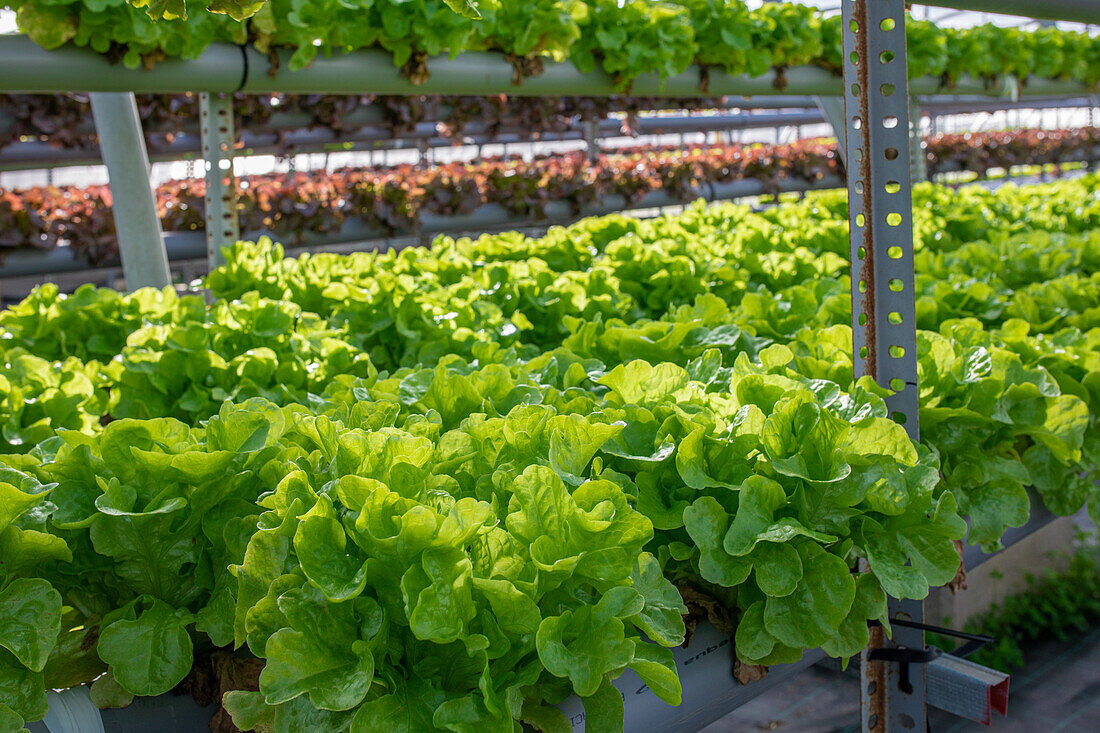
x=876, y=101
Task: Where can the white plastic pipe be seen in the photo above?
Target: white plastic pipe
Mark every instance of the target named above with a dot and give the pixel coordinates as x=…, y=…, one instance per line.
x=72, y=711
x=222, y=68
x=1078, y=11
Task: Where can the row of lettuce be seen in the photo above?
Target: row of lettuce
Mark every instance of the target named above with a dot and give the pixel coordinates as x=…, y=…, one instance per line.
x=401, y=200
x=625, y=39
x=442, y=489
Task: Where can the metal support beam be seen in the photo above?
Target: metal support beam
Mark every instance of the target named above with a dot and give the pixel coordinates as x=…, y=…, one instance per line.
x=918, y=161
x=134, y=204
x=1077, y=11
x=592, y=140
x=876, y=100
x=222, y=224
x=832, y=109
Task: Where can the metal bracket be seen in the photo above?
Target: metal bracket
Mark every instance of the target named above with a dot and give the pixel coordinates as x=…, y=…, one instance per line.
x=222, y=225
x=953, y=683
x=905, y=656
x=974, y=642
x=876, y=101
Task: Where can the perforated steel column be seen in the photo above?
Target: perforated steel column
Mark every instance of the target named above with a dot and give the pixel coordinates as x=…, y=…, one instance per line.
x=222, y=224
x=876, y=101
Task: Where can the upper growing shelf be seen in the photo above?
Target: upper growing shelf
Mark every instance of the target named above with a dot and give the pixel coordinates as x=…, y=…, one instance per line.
x=542, y=47
x=227, y=68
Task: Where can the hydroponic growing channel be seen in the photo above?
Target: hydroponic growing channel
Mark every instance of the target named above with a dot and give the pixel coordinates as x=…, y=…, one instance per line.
x=467, y=487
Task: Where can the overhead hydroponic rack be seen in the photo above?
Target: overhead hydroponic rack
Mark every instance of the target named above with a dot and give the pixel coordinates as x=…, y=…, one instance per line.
x=289, y=133
x=898, y=680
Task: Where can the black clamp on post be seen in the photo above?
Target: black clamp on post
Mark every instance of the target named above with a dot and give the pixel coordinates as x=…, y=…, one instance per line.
x=905, y=656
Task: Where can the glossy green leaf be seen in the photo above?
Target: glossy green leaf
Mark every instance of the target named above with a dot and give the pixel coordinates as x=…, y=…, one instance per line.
x=604, y=709
x=320, y=544
x=466, y=8
x=586, y=644
x=810, y=615
x=911, y=552
x=30, y=620
x=10, y=721
x=148, y=655
x=853, y=635
x=708, y=523
x=657, y=669
x=409, y=709
x=804, y=441
x=298, y=663
x=249, y=710
x=14, y=502
x=21, y=690
x=661, y=619
x=106, y=693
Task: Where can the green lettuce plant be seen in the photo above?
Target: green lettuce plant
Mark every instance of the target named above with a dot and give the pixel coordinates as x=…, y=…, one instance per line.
x=445, y=489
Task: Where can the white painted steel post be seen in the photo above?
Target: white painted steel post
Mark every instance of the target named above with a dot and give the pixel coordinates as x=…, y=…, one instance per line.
x=223, y=227
x=133, y=201
x=876, y=100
